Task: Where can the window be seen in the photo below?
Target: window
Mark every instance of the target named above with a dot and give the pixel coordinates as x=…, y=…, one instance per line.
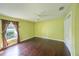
x=11, y=32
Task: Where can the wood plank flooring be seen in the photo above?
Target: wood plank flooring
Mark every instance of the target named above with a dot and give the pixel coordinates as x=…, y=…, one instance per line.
x=36, y=47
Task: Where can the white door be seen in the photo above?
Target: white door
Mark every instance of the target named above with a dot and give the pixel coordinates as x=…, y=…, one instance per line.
x=68, y=31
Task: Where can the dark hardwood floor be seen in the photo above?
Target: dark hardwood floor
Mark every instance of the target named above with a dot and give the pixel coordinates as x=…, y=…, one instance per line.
x=36, y=47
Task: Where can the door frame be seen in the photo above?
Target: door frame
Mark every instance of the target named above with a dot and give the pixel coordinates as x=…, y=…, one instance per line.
x=70, y=42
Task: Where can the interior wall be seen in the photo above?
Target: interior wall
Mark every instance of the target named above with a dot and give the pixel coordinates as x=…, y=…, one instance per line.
x=76, y=31
x=52, y=29
x=1, y=35
x=26, y=30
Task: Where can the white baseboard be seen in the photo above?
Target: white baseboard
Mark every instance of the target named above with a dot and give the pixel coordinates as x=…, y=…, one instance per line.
x=51, y=38
x=44, y=38
x=26, y=39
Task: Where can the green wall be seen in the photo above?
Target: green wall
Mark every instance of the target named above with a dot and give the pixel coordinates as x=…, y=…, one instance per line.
x=76, y=28
x=26, y=29
x=52, y=29
x=0, y=35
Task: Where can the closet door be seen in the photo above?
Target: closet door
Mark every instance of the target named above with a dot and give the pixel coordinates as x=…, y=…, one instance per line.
x=68, y=32
x=10, y=33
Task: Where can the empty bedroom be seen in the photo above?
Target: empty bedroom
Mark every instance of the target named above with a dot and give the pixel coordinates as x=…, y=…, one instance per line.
x=39, y=29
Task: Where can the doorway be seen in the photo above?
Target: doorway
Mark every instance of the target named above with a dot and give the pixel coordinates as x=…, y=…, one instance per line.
x=10, y=33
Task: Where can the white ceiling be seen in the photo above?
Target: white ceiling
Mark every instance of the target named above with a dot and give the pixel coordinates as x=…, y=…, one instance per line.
x=34, y=11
